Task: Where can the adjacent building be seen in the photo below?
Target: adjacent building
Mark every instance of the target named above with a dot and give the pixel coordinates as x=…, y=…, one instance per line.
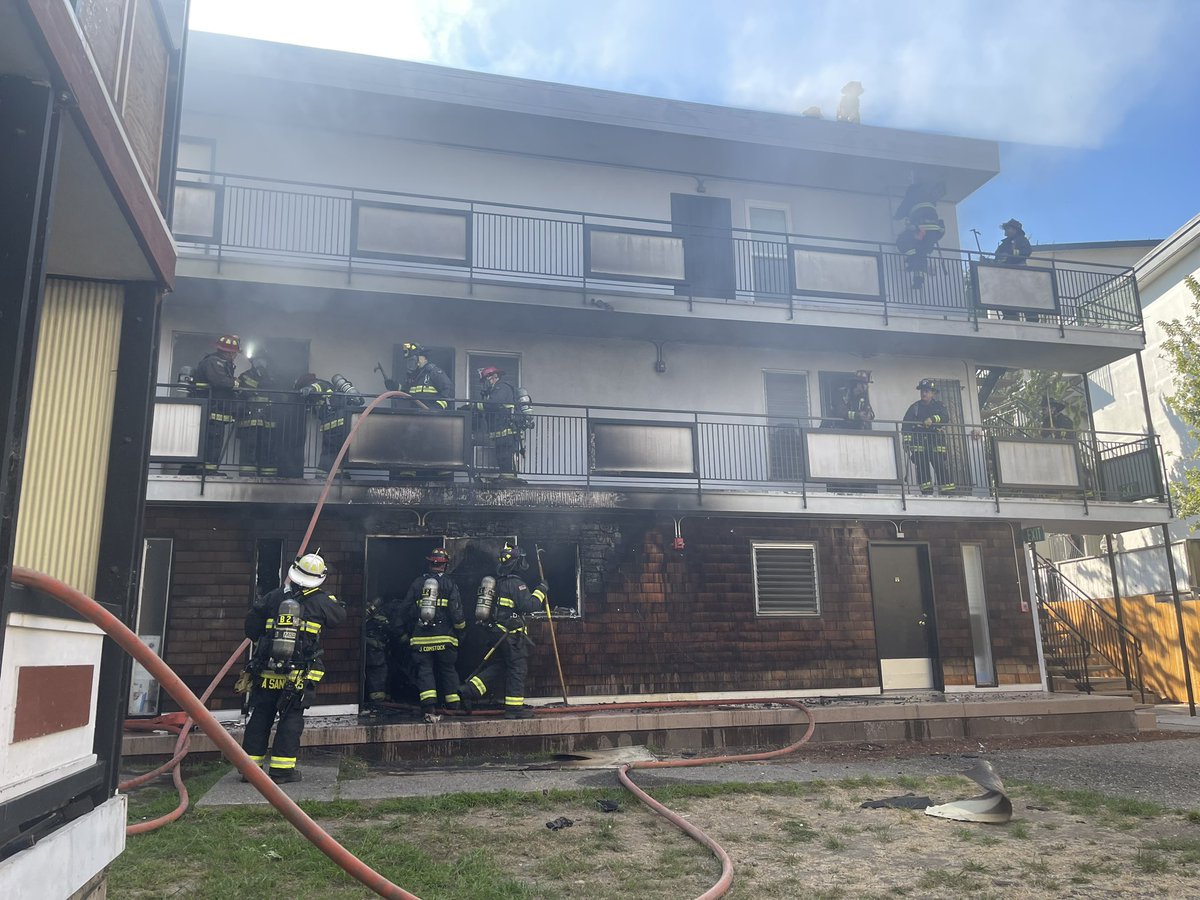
x=687, y=293
x=88, y=118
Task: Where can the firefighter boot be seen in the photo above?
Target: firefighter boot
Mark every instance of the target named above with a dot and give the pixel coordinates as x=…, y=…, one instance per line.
x=518, y=712
x=284, y=776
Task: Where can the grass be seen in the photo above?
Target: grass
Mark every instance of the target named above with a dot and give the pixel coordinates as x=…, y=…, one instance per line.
x=492, y=846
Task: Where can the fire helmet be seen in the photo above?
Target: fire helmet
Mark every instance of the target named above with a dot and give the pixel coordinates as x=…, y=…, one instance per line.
x=927, y=384
x=863, y=376
x=1012, y=223
x=308, y=570
x=510, y=559
x=488, y=371
x=438, y=558
x=229, y=343
x=411, y=349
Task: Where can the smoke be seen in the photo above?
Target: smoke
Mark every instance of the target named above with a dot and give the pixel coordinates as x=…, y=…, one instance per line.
x=1064, y=73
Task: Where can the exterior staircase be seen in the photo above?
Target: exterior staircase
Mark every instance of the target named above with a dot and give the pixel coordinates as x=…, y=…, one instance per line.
x=1086, y=648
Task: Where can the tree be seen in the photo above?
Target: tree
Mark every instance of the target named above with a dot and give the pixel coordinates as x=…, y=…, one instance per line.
x=1182, y=350
x=1021, y=395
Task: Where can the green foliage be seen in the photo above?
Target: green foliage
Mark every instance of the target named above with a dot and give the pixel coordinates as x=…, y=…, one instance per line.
x=1020, y=396
x=1182, y=349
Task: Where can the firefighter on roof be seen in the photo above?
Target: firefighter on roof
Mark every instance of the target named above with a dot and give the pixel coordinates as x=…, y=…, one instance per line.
x=288, y=624
x=214, y=379
x=431, y=618
x=501, y=604
x=924, y=438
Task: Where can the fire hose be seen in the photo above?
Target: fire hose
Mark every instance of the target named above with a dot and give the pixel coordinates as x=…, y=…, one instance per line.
x=197, y=713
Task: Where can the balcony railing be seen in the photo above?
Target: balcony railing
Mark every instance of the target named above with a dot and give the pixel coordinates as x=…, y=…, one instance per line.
x=234, y=218
x=627, y=449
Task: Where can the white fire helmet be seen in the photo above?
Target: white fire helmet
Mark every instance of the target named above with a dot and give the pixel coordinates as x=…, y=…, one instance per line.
x=308, y=571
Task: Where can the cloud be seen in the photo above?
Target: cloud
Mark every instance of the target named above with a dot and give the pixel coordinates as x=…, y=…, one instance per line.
x=1062, y=73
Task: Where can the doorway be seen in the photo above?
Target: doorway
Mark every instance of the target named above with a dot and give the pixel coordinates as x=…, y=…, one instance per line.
x=706, y=226
x=905, y=629
x=392, y=562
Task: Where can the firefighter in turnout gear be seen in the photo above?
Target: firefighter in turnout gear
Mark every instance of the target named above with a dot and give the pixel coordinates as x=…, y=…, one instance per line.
x=288, y=624
x=431, y=618
x=505, y=419
x=379, y=631
x=214, y=379
x=501, y=606
x=255, y=424
x=923, y=228
x=854, y=403
x=925, y=440
x=423, y=380
x=332, y=402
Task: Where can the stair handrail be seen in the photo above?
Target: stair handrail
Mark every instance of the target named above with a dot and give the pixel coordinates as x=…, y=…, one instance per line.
x=1130, y=645
x=1079, y=644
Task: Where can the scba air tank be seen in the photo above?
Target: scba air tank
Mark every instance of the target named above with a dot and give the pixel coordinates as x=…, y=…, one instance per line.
x=429, y=599
x=485, y=599
x=286, y=631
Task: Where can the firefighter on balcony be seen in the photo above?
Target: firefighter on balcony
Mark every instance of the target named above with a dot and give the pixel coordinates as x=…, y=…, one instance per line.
x=214, y=379
x=423, y=380
x=1014, y=250
x=431, y=617
x=922, y=230
x=854, y=403
x=925, y=440
x=288, y=624
x=506, y=413
x=500, y=606
x=332, y=402
x=257, y=451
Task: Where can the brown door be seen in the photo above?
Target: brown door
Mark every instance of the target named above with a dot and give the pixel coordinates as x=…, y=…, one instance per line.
x=904, y=626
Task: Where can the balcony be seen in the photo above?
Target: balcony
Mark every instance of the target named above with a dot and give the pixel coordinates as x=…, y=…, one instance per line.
x=612, y=458
x=233, y=226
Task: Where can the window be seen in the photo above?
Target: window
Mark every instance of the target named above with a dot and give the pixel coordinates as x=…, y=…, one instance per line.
x=832, y=385
x=769, y=274
x=197, y=155
x=509, y=363
x=787, y=412
x=268, y=565
x=561, y=564
x=151, y=621
x=785, y=579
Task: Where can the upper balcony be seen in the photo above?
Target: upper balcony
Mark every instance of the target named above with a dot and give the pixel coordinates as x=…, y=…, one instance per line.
x=673, y=278
x=595, y=458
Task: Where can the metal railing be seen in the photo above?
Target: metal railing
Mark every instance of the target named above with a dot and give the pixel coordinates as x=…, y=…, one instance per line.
x=237, y=218
x=1106, y=637
x=629, y=448
x=1065, y=648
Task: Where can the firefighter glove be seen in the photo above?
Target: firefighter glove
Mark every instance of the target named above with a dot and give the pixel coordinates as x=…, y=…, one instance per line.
x=391, y=384
x=244, y=682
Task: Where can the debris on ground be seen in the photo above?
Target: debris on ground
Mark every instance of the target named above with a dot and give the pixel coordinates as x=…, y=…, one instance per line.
x=560, y=822
x=904, y=801
x=992, y=807
x=608, y=806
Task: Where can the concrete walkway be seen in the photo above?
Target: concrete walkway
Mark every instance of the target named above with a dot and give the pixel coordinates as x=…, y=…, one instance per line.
x=1163, y=771
x=1177, y=717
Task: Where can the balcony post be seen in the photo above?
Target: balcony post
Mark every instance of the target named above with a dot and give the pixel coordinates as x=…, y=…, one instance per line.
x=1116, y=587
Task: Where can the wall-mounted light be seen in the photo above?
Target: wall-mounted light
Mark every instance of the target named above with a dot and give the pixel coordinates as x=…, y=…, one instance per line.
x=660, y=364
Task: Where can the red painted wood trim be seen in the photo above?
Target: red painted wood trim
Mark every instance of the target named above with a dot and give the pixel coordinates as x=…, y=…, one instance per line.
x=51, y=699
x=101, y=128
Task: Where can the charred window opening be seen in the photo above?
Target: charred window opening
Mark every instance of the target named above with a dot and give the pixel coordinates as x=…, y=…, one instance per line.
x=560, y=560
x=268, y=565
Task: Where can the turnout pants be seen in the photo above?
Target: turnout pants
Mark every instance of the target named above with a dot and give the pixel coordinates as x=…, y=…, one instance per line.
x=507, y=447
x=377, y=674
x=435, y=670
x=508, y=666
x=264, y=705
x=928, y=454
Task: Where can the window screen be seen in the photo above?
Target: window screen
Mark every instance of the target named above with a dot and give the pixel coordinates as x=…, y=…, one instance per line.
x=785, y=580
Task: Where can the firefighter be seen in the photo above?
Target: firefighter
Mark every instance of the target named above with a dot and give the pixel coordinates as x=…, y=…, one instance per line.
x=503, y=419
x=288, y=624
x=500, y=607
x=1015, y=249
x=423, y=380
x=332, y=402
x=431, y=618
x=854, y=403
x=256, y=424
x=925, y=441
x=922, y=231
x=214, y=379
x=379, y=631
x=1056, y=424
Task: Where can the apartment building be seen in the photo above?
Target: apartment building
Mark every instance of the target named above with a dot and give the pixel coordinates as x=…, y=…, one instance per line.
x=685, y=291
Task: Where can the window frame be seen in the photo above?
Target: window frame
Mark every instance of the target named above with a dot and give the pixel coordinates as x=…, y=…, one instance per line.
x=811, y=546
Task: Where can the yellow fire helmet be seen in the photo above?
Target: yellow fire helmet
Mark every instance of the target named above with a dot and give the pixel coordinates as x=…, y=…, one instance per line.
x=308, y=571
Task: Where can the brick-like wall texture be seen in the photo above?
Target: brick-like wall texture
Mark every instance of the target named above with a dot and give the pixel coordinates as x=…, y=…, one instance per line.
x=654, y=619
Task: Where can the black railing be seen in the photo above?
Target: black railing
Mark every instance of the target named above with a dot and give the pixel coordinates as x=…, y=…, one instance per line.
x=1105, y=635
x=238, y=218
x=589, y=446
x=1065, y=648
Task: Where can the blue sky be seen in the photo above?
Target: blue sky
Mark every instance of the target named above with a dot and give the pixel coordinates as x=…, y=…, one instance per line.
x=1096, y=103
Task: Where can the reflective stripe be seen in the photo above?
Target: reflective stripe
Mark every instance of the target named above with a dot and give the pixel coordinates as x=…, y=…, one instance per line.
x=453, y=698
x=516, y=630
x=315, y=674
x=275, y=682
x=435, y=641
x=257, y=759
x=507, y=601
x=427, y=695
x=538, y=595
x=311, y=627
x=460, y=626
x=283, y=762
x=477, y=683
x=514, y=701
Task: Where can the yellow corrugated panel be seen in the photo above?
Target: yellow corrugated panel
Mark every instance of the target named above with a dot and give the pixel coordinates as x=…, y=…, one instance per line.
x=66, y=456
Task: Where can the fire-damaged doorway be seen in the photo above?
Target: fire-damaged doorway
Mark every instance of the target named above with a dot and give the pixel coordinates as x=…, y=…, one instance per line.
x=905, y=630
x=393, y=562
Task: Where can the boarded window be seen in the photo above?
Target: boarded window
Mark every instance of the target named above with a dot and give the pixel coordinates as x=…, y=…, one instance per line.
x=785, y=580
